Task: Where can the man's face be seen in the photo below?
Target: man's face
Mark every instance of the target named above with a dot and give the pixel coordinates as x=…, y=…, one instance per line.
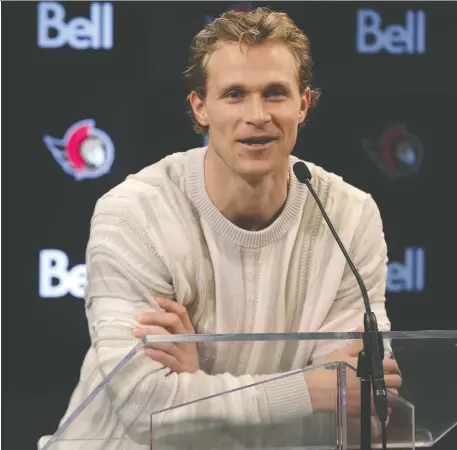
x=253, y=107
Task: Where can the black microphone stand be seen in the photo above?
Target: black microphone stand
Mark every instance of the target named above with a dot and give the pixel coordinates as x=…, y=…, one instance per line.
x=369, y=364
x=365, y=373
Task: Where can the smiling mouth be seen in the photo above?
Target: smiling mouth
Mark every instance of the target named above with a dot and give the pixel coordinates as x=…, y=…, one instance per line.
x=257, y=141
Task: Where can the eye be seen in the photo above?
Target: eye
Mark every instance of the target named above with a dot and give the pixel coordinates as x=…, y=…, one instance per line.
x=275, y=93
x=234, y=95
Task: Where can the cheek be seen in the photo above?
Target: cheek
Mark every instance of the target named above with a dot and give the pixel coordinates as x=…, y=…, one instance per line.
x=289, y=125
x=221, y=116
x=288, y=115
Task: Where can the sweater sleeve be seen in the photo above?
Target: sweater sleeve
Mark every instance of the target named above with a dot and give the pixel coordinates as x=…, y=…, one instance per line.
x=125, y=273
x=368, y=251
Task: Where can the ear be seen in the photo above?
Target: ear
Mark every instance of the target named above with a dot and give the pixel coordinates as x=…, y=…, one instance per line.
x=199, y=108
x=305, y=101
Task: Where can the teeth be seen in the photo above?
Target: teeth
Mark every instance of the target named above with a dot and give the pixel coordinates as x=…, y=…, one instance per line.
x=256, y=141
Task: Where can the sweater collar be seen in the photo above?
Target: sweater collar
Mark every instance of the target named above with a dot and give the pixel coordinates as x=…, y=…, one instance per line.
x=289, y=216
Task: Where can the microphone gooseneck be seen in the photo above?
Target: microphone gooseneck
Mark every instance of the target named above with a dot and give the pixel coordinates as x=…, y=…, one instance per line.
x=303, y=174
x=372, y=342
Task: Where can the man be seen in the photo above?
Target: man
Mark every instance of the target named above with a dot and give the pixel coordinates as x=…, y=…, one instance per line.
x=225, y=239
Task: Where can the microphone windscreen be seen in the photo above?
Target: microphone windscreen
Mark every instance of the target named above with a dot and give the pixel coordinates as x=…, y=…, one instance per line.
x=301, y=171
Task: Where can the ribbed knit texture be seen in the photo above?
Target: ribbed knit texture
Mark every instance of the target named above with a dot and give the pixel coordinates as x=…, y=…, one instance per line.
x=159, y=233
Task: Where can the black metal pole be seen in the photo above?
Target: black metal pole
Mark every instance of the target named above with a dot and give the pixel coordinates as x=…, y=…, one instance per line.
x=363, y=372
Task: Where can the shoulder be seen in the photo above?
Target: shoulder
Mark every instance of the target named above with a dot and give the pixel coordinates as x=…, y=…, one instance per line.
x=151, y=189
x=353, y=212
x=334, y=191
x=337, y=186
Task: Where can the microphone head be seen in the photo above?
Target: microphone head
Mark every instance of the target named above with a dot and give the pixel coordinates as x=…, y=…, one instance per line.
x=302, y=172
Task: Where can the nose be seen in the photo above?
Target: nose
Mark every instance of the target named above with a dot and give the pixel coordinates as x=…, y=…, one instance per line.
x=255, y=111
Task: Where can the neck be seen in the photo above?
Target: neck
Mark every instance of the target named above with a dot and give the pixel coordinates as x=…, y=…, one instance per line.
x=250, y=204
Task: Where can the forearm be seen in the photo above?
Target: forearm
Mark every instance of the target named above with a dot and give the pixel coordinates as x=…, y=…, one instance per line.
x=143, y=387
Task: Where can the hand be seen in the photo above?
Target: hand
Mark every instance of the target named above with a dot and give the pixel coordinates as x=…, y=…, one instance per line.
x=322, y=382
x=180, y=356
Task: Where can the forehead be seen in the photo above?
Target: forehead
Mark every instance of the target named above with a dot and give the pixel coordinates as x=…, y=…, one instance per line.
x=251, y=66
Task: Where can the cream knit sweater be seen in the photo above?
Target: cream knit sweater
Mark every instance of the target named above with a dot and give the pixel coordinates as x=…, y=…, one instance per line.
x=159, y=233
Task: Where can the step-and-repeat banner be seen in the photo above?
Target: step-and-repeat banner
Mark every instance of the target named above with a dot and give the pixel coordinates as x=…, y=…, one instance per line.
x=94, y=92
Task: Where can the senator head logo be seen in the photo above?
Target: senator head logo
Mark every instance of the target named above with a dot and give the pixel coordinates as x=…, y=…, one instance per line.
x=397, y=153
x=84, y=152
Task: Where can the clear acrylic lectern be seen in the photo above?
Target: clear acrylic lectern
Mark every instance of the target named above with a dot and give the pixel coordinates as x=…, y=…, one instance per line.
x=261, y=410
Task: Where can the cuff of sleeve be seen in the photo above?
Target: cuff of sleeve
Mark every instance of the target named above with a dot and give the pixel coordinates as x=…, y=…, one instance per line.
x=287, y=398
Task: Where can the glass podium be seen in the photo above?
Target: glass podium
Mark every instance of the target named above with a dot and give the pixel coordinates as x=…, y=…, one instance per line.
x=316, y=406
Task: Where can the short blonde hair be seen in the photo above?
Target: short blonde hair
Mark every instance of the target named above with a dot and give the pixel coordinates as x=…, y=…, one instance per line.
x=259, y=26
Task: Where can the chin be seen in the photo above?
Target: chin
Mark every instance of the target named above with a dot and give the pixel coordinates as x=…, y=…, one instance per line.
x=256, y=169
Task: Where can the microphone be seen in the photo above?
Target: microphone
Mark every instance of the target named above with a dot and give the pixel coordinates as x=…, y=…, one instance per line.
x=372, y=342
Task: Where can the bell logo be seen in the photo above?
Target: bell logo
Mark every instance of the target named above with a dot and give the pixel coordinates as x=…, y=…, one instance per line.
x=395, y=39
x=56, y=279
x=407, y=276
x=79, y=33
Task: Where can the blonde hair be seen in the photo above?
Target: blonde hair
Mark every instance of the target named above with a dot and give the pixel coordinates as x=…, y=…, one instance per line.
x=256, y=27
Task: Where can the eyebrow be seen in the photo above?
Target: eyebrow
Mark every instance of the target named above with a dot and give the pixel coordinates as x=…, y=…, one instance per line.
x=241, y=87
x=232, y=87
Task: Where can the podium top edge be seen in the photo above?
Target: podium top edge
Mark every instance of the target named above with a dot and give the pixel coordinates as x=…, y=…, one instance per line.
x=316, y=336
